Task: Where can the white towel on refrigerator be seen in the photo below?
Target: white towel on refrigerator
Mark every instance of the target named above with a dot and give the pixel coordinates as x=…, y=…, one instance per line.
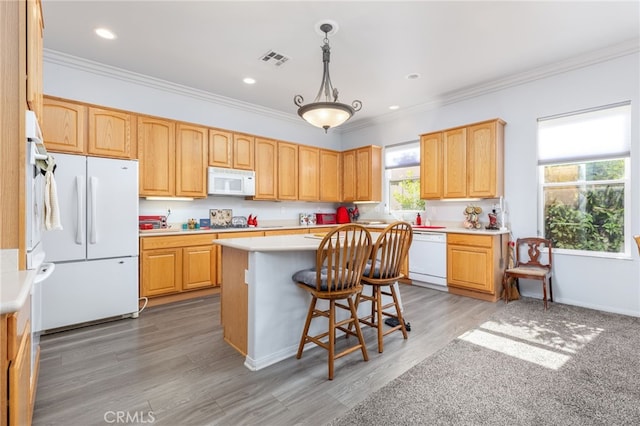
x=51, y=208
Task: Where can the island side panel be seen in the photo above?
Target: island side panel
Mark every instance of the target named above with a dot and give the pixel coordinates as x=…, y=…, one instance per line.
x=277, y=306
x=234, y=299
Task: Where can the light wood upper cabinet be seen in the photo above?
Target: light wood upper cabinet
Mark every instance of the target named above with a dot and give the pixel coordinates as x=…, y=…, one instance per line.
x=472, y=163
x=362, y=174
x=287, y=171
x=485, y=150
x=231, y=150
x=349, y=175
x=243, y=146
x=109, y=133
x=431, y=165
x=369, y=173
x=35, y=27
x=220, y=148
x=63, y=126
x=308, y=173
x=191, y=161
x=266, y=164
x=454, y=153
x=330, y=176
x=75, y=128
x=156, y=154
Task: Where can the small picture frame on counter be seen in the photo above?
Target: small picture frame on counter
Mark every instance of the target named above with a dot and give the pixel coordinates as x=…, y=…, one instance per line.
x=205, y=223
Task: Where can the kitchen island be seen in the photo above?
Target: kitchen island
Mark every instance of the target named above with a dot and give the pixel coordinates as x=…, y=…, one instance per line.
x=262, y=310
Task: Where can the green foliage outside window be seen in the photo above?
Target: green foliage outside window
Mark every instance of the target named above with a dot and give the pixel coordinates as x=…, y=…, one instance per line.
x=406, y=193
x=586, y=215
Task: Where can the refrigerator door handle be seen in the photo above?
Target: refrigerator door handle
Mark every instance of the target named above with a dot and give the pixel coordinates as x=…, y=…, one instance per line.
x=79, y=212
x=93, y=186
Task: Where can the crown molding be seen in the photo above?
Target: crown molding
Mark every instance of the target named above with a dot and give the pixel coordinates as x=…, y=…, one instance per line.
x=628, y=47
x=580, y=61
x=100, y=69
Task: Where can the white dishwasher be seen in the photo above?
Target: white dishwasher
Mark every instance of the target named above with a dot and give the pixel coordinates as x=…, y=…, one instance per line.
x=428, y=260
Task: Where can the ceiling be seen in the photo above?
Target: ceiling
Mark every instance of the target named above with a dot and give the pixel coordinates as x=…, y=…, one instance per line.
x=454, y=46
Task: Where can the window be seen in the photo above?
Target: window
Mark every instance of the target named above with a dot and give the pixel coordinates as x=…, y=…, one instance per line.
x=402, y=175
x=584, y=179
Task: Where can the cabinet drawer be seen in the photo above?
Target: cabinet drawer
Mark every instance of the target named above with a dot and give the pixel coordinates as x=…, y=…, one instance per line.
x=149, y=243
x=470, y=240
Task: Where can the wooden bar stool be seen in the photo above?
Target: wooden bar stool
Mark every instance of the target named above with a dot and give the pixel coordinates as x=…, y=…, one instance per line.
x=340, y=261
x=381, y=274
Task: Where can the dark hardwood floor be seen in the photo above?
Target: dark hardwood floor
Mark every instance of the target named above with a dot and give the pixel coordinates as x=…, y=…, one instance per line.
x=171, y=367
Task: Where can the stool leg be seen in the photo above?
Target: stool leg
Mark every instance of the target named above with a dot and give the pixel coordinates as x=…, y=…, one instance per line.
x=354, y=317
x=378, y=303
x=550, y=289
x=544, y=292
x=332, y=336
x=305, y=332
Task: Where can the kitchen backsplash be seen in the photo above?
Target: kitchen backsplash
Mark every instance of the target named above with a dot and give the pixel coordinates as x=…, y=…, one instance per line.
x=269, y=211
x=289, y=212
x=435, y=211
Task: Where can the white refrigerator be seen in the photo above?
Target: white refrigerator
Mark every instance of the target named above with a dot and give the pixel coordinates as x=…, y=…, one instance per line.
x=96, y=252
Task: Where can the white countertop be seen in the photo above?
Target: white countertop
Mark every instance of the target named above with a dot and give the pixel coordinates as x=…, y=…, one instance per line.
x=455, y=228
x=15, y=285
x=180, y=231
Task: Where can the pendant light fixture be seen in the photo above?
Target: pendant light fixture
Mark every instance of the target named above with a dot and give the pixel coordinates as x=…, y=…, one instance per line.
x=326, y=111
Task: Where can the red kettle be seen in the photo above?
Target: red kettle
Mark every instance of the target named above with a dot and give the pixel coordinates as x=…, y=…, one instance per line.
x=342, y=215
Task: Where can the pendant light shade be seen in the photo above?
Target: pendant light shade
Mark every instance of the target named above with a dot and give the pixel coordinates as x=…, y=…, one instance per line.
x=325, y=111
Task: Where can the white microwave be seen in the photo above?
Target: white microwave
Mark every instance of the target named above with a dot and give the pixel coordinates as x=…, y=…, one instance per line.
x=231, y=182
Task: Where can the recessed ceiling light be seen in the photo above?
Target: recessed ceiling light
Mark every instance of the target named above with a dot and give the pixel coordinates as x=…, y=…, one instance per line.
x=394, y=107
x=249, y=80
x=105, y=33
x=412, y=76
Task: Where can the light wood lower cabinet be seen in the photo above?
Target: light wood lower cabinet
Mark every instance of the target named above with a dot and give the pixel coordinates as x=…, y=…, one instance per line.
x=475, y=264
x=175, y=264
x=198, y=267
x=18, y=382
x=161, y=271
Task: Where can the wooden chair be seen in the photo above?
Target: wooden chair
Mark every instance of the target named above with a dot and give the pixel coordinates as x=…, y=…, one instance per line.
x=381, y=274
x=530, y=264
x=637, y=238
x=340, y=262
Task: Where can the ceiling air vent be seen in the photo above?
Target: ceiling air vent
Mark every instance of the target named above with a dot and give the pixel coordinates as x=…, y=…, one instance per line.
x=274, y=58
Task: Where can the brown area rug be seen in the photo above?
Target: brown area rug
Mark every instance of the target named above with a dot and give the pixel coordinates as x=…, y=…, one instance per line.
x=524, y=366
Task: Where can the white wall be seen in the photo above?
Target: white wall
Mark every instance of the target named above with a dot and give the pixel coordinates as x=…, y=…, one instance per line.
x=605, y=284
